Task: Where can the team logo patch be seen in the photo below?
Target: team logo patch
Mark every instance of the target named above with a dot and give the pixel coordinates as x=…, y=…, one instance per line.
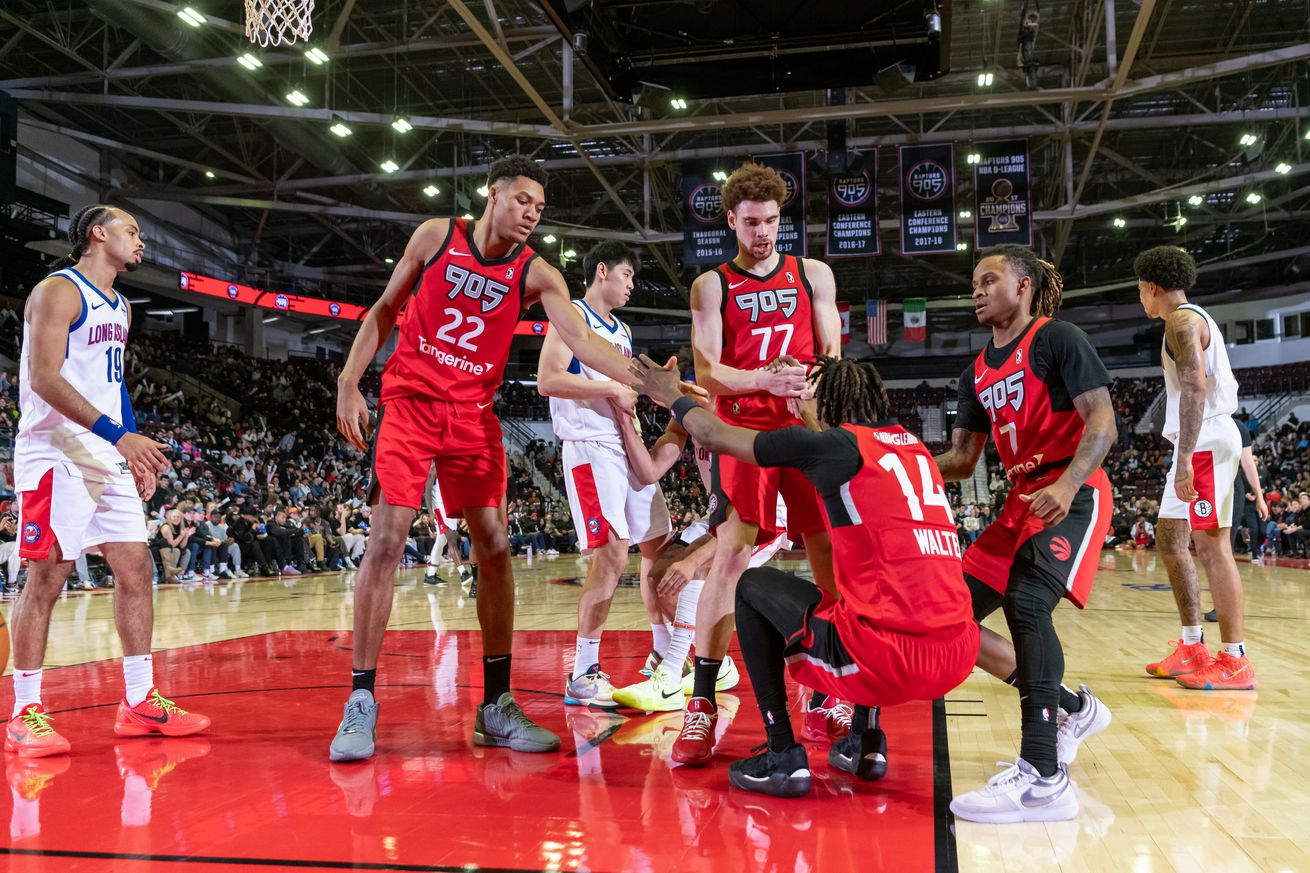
x=593, y=525
x=334, y=308
x=509, y=274
x=281, y=301
x=1018, y=357
x=714, y=504
x=1046, y=713
x=184, y=281
x=538, y=328
x=31, y=532
x=1203, y=508
x=232, y=292
x=1061, y=549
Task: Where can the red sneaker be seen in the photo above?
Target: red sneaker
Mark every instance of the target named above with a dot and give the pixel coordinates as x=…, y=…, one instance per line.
x=828, y=723
x=1182, y=660
x=30, y=735
x=1224, y=673
x=157, y=715
x=694, y=746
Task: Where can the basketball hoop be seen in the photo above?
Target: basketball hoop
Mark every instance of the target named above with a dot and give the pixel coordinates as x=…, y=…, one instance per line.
x=278, y=22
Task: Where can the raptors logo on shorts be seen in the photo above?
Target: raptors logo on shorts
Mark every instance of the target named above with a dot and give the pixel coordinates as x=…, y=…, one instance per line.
x=1061, y=548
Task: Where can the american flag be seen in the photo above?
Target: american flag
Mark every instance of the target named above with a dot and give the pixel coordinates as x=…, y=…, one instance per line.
x=876, y=310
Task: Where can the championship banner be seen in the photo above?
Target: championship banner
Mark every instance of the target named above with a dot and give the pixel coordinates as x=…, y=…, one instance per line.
x=844, y=313
x=706, y=237
x=791, y=224
x=853, y=209
x=1000, y=184
x=927, y=199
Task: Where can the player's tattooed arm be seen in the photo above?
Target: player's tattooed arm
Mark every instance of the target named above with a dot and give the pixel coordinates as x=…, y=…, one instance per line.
x=1186, y=335
x=959, y=460
x=1099, y=434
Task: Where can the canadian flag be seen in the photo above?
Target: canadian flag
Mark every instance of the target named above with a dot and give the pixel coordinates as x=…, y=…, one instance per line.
x=844, y=311
x=916, y=319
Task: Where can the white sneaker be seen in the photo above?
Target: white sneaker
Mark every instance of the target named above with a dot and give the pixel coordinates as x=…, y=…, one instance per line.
x=1019, y=794
x=662, y=692
x=241, y=574
x=1078, y=726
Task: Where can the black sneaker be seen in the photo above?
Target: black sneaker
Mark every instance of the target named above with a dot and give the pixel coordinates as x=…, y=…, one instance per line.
x=781, y=774
x=864, y=755
x=1212, y=615
x=473, y=582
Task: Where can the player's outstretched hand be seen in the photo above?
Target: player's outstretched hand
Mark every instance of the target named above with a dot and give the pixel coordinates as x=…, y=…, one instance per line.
x=787, y=380
x=142, y=453
x=660, y=384
x=1051, y=504
x=352, y=416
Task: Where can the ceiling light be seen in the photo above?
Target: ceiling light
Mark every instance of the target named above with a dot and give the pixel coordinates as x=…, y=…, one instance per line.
x=484, y=190
x=1180, y=221
x=402, y=125
x=720, y=176
x=570, y=255
x=191, y=16
x=272, y=318
x=167, y=312
x=297, y=98
x=678, y=103
x=1283, y=169
x=985, y=80
x=389, y=166
x=964, y=213
x=974, y=157
x=1196, y=200
x=317, y=56
x=548, y=239
x=209, y=174
x=432, y=191
x=1120, y=223
x=340, y=129
x=250, y=62
x=1307, y=134
x=1248, y=139
x=389, y=260
x=961, y=246
x=1253, y=198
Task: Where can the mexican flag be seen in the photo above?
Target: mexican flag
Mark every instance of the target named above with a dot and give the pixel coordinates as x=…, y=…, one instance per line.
x=916, y=319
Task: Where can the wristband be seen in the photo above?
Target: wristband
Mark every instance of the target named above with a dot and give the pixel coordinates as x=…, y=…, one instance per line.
x=682, y=406
x=108, y=430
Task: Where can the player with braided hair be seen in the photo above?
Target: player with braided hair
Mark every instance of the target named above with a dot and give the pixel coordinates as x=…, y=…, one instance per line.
x=1040, y=389
x=886, y=638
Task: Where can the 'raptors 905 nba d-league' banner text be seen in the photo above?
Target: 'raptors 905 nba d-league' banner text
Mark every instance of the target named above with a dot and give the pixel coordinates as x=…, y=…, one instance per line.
x=853, y=209
x=791, y=223
x=927, y=199
x=706, y=237
x=1000, y=184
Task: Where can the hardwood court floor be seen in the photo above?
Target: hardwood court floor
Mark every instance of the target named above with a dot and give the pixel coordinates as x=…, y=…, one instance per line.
x=1181, y=781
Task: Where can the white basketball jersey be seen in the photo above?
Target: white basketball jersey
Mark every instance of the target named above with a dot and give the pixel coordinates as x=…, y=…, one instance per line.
x=1220, y=384
x=591, y=419
x=93, y=365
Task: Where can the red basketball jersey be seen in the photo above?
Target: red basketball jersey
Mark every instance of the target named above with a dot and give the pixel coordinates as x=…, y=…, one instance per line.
x=764, y=317
x=456, y=331
x=895, y=550
x=1028, y=433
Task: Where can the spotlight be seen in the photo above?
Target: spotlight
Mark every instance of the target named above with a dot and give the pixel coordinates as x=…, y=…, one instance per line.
x=720, y=176
x=389, y=166
x=1248, y=139
x=962, y=247
x=402, y=125
x=388, y=260
x=964, y=213
x=209, y=174
x=250, y=62
x=1182, y=219
x=1196, y=200
x=677, y=103
x=1283, y=169
x=317, y=56
x=569, y=255
x=1253, y=198
x=297, y=98
x=340, y=129
x=974, y=157
x=484, y=190
x=548, y=239
x=432, y=191
x=1120, y=223
x=985, y=80
x=191, y=16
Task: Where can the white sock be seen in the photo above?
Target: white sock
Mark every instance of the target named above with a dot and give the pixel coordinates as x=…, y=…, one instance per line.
x=586, y=654
x=1192, y=634
x=27, y=689
x=659, y=637
x=138, y=677
x=684, y=625
x=222, y=568
x=1235, y=650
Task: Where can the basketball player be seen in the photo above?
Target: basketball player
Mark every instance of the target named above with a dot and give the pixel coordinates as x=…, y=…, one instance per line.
x=466, y=284
x=889, y=638
x=610, y=511
x=82, y=471
x=1197, y=505
x=448, y=530
x=1041, y=389
x=746, y=313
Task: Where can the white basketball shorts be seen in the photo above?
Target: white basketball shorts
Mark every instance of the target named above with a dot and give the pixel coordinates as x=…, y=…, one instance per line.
x=606, y=504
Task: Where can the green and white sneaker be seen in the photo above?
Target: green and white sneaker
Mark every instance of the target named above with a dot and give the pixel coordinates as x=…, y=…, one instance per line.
x=728, y=677
x=662, y=692
x=503, y=724
x=359, y=727
x=592, y=688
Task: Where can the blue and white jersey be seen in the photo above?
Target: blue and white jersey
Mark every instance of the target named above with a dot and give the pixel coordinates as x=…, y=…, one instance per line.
x=591, y=419
x=93, y=365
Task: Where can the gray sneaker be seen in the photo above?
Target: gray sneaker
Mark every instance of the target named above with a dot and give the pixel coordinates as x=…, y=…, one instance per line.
x=503, y=724
x=359, y=725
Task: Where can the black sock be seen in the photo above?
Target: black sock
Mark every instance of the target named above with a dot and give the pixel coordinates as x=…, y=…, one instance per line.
x=817, y=699
x=495, y=677
x=1070, y=701
x=864, y=719
x=707, y=673
x=363, y=679
x=777, y=728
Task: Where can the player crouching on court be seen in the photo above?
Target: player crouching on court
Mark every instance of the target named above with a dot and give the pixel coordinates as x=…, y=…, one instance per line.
x=892, y=637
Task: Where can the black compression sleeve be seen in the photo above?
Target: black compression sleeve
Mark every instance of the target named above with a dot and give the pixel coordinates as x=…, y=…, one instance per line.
x=829, y=459
x=970, y=414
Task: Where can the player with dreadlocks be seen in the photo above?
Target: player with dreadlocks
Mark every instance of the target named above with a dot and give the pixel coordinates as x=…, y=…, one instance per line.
x=1040, y=389
x=889, y=637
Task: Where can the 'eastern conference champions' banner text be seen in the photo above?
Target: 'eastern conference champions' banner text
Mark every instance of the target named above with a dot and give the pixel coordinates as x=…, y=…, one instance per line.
x=706, y=237
x=1000, y=184
x=853, y=209
x=927, y=199
x=791, y=223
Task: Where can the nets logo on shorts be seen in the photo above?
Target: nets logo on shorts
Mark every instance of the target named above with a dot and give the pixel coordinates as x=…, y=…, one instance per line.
x=31, y=533
x=1061, y=549
x=593, y=525
x=1203, y=508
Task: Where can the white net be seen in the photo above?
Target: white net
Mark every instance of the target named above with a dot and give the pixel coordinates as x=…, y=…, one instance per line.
x=278, y=22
